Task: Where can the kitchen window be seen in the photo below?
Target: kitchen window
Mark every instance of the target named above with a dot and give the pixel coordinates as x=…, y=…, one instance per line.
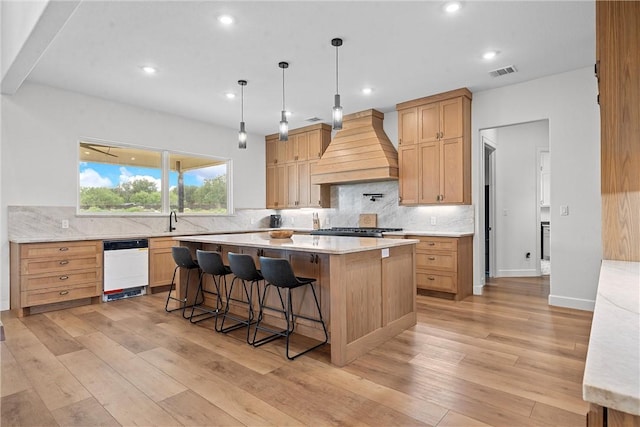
x=120, y=179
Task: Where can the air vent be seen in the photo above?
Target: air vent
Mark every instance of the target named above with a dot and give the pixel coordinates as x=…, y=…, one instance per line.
x=313, y=119
x=502, y=71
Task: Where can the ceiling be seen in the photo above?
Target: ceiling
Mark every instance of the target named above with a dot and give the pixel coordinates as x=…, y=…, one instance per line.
x=403, y=50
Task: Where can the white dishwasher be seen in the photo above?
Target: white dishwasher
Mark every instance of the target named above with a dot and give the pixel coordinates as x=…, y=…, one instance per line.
x=126, y=268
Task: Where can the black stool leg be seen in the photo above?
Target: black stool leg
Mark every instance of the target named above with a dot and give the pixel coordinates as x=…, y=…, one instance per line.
x=177, y=297
x=320, y=320
x=206, y=314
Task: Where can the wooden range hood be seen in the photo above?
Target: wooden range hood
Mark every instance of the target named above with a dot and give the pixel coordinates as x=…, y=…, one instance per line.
x=360, y=152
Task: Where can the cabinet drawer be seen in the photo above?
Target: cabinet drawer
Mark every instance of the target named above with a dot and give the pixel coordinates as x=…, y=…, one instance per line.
x=436, y=282
x=60, y=249
x=52, y=295
x=163, y=242
x=436, y=244
x=45, y=281
x=59, y=265
x=443, y=261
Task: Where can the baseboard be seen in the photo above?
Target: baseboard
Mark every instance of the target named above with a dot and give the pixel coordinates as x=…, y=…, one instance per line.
x=568, y=302
x=517, y=273
x=477, y=289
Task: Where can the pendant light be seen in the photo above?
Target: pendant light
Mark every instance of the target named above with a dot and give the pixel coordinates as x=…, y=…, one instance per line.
x=337, y=108
x=242, y=135
x=284, y=125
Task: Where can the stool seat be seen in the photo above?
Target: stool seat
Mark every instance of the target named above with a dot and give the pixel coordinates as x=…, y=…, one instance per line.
x=182, y=257
x=278, y=272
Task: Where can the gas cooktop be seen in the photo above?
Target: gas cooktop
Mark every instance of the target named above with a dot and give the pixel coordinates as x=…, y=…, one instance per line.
x=354, y=231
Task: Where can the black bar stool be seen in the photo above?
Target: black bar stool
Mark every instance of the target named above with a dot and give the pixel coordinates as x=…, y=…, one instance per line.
x=182, y=258
x=244, y=269
x=278, y=272
x=210, y=263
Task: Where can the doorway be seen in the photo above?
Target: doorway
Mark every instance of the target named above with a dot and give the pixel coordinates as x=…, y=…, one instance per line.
x=511, y=214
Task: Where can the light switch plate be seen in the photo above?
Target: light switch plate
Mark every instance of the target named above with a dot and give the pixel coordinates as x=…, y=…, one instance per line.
x=564, y=210
x=433, y=220
x=385, y=253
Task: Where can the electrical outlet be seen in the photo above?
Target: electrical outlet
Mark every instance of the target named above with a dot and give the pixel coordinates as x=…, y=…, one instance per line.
x=65, y=223
x=433, y=220
x=564, y=210
x=252, y=221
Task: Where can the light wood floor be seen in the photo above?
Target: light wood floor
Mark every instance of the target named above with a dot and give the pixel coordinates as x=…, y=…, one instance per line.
x=505, y=359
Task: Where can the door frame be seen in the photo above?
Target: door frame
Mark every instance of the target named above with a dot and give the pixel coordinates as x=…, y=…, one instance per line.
x=491, y=146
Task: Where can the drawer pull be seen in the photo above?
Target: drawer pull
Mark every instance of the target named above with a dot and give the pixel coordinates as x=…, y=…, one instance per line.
x=431, y=278
x=432, y=243
x=64, y=248
x=64, y=262
x=64, y=292
x=63, y=277
x=432, y=258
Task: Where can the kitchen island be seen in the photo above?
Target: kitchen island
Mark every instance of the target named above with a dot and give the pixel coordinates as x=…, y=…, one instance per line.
x=367, y=286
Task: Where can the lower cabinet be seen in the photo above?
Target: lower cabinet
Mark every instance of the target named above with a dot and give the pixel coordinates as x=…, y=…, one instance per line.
x=161, y=263
x=54, y=273
x=444, y=266
x=599, y=416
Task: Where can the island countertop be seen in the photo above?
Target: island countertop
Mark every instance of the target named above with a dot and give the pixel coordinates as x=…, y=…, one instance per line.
x=301, y=242
x=612, y=370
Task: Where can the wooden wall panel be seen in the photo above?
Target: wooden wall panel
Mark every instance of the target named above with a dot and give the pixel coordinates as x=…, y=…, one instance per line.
x=618, y=44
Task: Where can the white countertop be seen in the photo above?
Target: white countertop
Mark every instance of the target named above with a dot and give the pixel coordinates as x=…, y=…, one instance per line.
x=72, y=238
x=430, y=233
x=301, y=242
x=612, y=370
x=77, y=237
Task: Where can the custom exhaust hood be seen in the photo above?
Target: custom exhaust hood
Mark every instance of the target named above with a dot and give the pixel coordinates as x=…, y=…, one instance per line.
x=360, y=152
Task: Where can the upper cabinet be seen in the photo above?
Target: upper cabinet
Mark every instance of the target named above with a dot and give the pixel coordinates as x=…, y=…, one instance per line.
x=434, y=149
x=289, y=166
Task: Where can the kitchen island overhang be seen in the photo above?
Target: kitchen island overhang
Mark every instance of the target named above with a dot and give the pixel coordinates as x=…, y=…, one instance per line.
x=367, y=285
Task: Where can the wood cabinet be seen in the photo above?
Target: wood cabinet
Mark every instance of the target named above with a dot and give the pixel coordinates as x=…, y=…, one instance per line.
x=289, y=167
x=55, y=273
x=434, y=149
x=161, y=263
x=444, y=266
x=618, y=74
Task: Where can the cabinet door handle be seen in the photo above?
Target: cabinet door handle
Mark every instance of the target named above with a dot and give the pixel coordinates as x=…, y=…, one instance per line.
x=317, y=259
x=64, y=248
x=399, y=141
x=431, y=278
x=438, y=198
x=431, y=243
x=275, y=161
x=432, y=258
x=63, y=292
x=63, y=277
x=63, y=262
x=313, y=258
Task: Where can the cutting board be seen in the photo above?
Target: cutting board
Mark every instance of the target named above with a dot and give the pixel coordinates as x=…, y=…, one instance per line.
x=368, y=220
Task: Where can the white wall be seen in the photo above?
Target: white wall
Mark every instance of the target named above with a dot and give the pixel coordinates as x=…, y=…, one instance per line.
x=568, y=101
x=516, y=224
x=41, y=127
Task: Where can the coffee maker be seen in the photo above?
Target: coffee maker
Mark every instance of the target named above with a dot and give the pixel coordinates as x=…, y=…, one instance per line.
x=275, y=221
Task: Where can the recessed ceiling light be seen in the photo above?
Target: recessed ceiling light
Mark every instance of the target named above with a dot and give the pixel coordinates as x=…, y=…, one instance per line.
x=367, y=90
x=452, y=6
x=230, y=95
x=149, y=69
x=225, y=19
x=490, y=54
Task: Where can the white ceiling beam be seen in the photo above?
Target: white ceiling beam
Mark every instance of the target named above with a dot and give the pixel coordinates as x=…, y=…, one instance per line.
x=53, y=18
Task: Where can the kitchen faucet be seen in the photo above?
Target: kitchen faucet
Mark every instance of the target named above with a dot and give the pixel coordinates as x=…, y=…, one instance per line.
x=175, y=217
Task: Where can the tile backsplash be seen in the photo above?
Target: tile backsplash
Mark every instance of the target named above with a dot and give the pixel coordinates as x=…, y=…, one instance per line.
x=347, y=203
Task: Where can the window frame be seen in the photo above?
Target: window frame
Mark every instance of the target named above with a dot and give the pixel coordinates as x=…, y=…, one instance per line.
x=165, y=170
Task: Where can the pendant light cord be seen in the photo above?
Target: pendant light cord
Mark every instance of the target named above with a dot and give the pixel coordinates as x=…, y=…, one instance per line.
x=242, y=103
x=283, y=109
x=337, y=69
